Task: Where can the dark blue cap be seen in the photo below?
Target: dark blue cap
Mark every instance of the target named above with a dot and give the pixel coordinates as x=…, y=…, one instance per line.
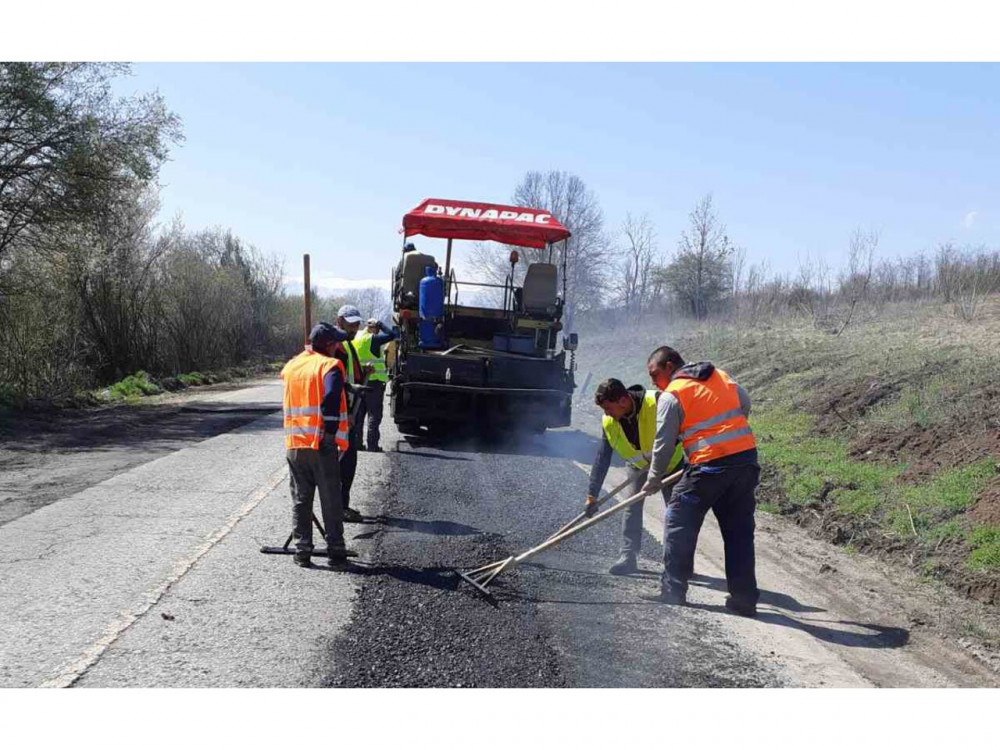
x=324, y=334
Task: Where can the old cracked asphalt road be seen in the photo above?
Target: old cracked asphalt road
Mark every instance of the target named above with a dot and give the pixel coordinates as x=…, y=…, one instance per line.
x=153, y=578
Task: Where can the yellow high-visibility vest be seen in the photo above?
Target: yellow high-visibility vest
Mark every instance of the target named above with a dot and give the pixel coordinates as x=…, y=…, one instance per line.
x=639, y=459
x=363, y=343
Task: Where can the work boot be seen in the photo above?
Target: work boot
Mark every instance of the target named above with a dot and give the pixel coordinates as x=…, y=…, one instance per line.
x=352, y=516
x=376, y=449
x=666, y=596
x=302, y=559
x=337, y=556
x=741, y=608
x=624, y=565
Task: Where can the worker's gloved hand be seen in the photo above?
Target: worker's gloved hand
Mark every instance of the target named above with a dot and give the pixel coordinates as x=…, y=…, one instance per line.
x=591, y=507
x=651, y=486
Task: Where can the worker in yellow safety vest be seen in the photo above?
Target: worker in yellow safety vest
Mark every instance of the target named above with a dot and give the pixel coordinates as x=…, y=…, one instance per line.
x=704, y=408
x=316, y=432
x=629, y=426
x=369, y=343
x=348, y=322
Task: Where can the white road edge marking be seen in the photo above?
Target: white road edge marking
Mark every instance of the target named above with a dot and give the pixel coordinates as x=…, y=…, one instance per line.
x=113, y=632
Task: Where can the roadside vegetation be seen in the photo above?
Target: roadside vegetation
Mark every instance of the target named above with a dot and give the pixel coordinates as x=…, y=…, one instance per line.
x=95, y=295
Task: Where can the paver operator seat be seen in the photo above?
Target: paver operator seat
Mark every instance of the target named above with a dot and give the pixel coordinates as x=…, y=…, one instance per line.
x=409, y=272
x=540, y=289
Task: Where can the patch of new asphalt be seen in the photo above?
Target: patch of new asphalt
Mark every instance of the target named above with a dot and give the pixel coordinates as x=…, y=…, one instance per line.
x=559, y=620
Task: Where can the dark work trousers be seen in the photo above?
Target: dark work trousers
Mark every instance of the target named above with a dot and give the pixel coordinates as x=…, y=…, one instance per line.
x=373, y=406
x=729, y=492
x=632, y=515
x=349, y=458
x=309, y=470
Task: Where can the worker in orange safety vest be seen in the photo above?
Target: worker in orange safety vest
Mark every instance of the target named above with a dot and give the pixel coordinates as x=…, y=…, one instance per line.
x=316, y=433
x=706, y=410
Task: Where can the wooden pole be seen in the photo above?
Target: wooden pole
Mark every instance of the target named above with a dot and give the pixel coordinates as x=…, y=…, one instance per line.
x=447, y=272
x=308, y=295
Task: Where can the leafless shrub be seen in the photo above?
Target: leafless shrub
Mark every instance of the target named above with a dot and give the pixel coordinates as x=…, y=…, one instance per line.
x=855, y=282
x=635, y=282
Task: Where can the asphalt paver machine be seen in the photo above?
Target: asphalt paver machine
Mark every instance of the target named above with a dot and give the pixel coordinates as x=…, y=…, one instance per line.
x=460, y=362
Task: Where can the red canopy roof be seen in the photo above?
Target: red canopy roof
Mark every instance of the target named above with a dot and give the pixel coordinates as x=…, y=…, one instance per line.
x=463, y=220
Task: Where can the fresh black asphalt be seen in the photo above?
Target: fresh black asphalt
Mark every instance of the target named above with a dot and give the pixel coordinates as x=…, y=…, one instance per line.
x=559, y=620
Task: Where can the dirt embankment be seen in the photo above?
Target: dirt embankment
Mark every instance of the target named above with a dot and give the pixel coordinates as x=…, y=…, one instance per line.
x=953, y=439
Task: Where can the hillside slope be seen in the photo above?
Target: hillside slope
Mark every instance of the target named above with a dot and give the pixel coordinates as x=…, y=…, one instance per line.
x=884, y=439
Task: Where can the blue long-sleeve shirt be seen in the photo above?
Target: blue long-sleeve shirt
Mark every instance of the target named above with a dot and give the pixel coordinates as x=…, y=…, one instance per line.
x=381, y=339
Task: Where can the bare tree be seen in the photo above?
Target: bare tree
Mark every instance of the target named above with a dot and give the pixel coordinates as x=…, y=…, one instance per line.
x=568, y=198
x=854, y=285
x=633, y=284
x=372, y=302
x=700, y=275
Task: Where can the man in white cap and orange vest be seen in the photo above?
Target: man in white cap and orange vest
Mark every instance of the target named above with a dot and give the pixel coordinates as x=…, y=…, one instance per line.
x=316, y=432
x=707, y=411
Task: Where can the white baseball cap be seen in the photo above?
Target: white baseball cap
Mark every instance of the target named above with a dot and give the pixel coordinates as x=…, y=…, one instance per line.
x=349, y=313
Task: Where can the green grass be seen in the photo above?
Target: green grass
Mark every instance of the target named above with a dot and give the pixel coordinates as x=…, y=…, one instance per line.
x=192, y=378
x=813, y=468
x=811, y=464
x=985, y=543
x=133, y=387
x=932, y=504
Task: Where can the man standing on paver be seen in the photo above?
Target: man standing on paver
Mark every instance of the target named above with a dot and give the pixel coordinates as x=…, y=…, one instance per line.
x=707, y=410
x=316, y=432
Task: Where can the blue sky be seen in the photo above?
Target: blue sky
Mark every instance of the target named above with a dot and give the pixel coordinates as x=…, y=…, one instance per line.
x=326, y=158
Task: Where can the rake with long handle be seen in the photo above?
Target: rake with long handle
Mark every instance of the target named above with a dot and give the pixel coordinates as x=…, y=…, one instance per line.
x=597, y=503
x=481, y=577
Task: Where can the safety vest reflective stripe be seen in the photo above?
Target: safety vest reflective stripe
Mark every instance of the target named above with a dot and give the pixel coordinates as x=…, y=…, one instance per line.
x=641, y=462
x=303, y=430
x=302, y=411
x=723, y=437
x=711, y=422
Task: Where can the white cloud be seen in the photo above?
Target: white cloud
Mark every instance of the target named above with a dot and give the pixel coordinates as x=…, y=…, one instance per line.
x=970, y=219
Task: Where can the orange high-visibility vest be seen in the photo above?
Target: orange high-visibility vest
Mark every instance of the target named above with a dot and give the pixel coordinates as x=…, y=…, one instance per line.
x=714, y=425
x=304, y=423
